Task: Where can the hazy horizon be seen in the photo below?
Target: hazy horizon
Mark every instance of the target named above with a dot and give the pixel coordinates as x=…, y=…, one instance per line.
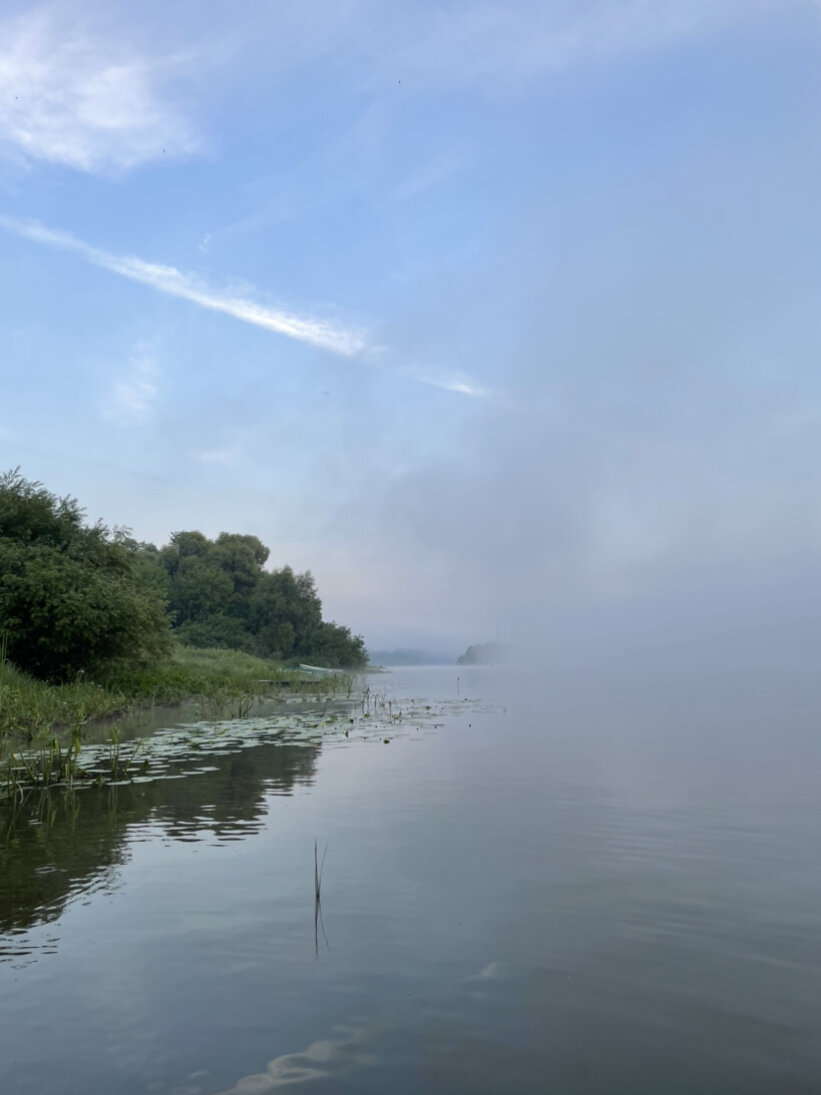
x=501, y=319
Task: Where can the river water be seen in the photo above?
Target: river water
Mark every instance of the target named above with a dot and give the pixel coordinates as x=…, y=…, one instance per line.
x=518, y=895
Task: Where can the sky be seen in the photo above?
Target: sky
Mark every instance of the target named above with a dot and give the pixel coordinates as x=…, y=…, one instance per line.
x=502, y=318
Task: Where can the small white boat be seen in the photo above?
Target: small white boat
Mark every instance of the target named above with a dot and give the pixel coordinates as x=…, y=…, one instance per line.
x=318, y=670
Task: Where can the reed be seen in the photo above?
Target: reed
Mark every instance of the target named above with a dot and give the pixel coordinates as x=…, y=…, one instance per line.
x=318, y=868
x=50, y=763
x=120, y=765
x=318, y=921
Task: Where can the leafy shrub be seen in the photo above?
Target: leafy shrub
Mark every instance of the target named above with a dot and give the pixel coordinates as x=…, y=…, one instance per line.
x=72, y=598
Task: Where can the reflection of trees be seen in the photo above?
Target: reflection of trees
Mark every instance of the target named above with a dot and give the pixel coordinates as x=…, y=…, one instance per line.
x=56, y=845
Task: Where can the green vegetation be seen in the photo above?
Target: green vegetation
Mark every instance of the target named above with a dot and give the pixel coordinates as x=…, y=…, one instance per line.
x=42, y=723
x=92, y=622
x=203, y=672
x=72, y=600
x=220, y=595
x=30, y=708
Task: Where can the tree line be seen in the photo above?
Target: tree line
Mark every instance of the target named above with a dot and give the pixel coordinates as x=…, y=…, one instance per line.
x=78, y=598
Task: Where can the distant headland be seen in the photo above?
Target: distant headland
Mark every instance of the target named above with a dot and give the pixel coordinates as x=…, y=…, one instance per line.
x=483, y=654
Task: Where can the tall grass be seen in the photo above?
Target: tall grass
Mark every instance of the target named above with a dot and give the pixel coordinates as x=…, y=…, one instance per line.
x=192, y=672
x=29, y=708
x=226, y=678
x=41, y=724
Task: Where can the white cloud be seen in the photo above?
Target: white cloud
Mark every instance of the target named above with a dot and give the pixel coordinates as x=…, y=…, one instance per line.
x=457, y=382
x=98, y=95
x=240, y=303
x=237, y=302
x=132, y=399
x=72, y=96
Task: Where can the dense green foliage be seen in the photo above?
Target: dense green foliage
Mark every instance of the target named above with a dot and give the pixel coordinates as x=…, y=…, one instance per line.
x=72, y=599
x=220, y=595
x=80, y=601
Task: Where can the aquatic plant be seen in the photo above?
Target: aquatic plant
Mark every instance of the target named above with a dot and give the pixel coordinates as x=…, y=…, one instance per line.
x=119, y=765
x=50, y=763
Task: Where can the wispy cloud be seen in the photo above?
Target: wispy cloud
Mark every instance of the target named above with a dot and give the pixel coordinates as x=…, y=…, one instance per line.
x=242, y=304
x=231, y=457
x=72, y=96
x=339, y=339
x=431, y=174
x=502, y=45
x=79, y=93
x=133, y=397
x=450, y=381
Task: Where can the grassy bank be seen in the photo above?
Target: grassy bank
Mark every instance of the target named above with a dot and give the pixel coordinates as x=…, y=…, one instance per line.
x=30, y=708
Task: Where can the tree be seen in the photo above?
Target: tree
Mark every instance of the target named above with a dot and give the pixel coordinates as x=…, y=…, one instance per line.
x=335, y=646
x=287, y=613
x=72, y=597
x=199, y=589
x=220, y=594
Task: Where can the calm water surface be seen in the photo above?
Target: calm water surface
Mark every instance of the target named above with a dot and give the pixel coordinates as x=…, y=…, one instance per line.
x=595, y=896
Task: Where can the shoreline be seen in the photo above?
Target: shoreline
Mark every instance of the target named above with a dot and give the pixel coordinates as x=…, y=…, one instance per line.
x=31, y=710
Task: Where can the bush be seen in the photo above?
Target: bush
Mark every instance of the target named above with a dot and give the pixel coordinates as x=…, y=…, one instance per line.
x=72, y=598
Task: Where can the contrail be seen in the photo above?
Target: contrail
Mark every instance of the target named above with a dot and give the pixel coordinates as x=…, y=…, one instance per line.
x=346, y=341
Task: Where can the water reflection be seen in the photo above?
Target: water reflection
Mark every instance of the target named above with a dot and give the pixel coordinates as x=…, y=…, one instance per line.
x=515, y=902
x=191, y=783
x=57, y=845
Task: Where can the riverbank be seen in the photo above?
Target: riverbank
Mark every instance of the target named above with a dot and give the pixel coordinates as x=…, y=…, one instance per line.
x=30, y=708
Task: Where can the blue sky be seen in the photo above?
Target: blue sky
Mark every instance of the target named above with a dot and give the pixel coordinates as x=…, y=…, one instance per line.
x=474, y=309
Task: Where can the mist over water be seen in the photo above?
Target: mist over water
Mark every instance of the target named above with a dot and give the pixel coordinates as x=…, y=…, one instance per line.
x=503, y=319
x=531, y=886
x=605, y=224
x=631, y=482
